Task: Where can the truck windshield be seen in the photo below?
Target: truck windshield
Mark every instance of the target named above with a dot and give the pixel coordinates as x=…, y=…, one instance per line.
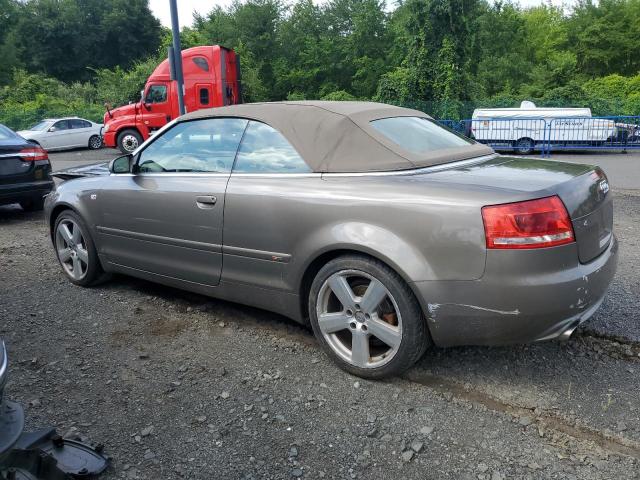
x=418, y=134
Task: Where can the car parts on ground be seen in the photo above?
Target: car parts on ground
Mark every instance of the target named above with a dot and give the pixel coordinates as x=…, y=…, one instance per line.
x=41, y=455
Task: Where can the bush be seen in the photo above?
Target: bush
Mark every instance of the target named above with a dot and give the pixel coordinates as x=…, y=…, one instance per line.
x=32, y=97
x=339, y=96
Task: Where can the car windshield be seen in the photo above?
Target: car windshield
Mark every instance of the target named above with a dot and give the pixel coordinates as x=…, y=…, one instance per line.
x=6, y=134
x=40, y=126
x=418, y=134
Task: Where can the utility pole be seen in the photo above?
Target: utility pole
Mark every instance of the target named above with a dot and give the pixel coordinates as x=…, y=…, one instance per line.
x=177, y=54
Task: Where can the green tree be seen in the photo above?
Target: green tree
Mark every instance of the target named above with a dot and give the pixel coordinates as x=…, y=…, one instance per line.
x=8, y=44
x=605, y=36
x=503, y=63
x=63, y=38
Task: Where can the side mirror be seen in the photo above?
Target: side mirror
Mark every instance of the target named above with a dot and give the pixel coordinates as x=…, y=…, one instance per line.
x=52, y=129
x=121, y=164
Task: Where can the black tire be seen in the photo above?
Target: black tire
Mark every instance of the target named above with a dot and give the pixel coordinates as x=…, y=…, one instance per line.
x=524, y=146
x=33, y=205
x=415, y=338
x=94, y=272
x=128, y=140
x=95, y=142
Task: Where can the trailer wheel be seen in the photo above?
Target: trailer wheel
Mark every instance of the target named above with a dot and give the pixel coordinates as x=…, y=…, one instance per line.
x=524, y=146
x=129, y=140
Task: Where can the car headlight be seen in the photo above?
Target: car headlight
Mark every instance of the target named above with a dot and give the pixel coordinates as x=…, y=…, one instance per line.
x=106, y=128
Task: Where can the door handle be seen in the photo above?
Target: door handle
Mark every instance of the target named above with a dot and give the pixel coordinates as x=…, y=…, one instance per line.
x=206, y=200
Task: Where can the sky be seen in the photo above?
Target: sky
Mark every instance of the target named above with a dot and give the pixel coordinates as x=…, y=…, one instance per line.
x=160, y=8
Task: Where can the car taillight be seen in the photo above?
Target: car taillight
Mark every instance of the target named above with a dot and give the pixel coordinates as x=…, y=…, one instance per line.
x=32, y=154
x=537, y=223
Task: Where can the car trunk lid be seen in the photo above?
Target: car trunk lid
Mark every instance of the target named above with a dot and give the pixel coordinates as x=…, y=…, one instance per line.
x=13, y=168
x=591, y=208
x=93, y=170
x=584, y=189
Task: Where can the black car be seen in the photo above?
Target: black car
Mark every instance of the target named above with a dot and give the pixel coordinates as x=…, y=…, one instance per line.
x=24, y=171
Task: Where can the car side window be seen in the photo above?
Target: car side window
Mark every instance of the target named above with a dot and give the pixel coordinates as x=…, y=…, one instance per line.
x=80, y=124
x=207, y=145
x=265, y=150
x=60, y=125
x=156, y=94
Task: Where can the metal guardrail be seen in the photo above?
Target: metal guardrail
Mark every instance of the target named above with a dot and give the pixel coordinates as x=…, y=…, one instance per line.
x=538, y=135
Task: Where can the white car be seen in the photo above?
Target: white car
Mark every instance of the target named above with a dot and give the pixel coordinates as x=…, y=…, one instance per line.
x=63, y=133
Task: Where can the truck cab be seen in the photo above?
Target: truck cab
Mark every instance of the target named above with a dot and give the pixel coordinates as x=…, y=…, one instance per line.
x=211, y=79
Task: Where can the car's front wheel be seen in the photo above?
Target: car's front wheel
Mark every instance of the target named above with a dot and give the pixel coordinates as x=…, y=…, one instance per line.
x=75, y=249
x=129, y=140
x=366, y=317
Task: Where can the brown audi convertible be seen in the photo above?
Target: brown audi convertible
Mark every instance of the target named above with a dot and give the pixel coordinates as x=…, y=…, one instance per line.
x=384, y=231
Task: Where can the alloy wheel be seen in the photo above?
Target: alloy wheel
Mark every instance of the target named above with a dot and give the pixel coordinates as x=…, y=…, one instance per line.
x=95, y=142
x=359, y=318
x=72, y=249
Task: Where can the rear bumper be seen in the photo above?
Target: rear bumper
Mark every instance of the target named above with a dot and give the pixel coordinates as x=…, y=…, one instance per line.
x=17, y=192
x=524, y=296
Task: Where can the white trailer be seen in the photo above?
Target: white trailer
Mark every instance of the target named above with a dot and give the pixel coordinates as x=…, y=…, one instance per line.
x=525, y=128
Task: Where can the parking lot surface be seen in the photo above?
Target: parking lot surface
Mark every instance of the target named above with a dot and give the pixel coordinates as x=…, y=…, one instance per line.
x=177, y=385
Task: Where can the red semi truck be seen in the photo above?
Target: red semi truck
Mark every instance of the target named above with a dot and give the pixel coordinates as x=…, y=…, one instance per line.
x=211, y=79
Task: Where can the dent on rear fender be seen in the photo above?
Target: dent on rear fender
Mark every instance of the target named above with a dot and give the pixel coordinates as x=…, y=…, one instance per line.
x=433, y=309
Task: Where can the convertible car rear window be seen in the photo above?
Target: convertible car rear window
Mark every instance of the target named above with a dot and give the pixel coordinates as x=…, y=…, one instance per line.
x=418, y=134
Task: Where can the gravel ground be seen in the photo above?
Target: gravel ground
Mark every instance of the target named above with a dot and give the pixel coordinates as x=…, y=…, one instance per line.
x=177, y=385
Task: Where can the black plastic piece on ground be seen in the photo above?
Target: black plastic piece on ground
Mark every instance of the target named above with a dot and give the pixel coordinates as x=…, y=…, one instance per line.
x=11, y=426
x=45, y=455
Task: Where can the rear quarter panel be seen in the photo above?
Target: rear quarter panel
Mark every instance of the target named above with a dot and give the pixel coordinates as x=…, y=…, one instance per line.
x=424, y=230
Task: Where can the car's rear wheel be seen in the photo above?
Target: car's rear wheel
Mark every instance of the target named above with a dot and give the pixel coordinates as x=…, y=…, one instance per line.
x=33, y=204
x=366, y=317
x=95, y=142
x=129, y=140
x=75, y=249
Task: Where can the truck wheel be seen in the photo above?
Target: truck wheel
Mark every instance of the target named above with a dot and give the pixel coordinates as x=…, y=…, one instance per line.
x=95, y=142
x=129, y=140
x=524, y=146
